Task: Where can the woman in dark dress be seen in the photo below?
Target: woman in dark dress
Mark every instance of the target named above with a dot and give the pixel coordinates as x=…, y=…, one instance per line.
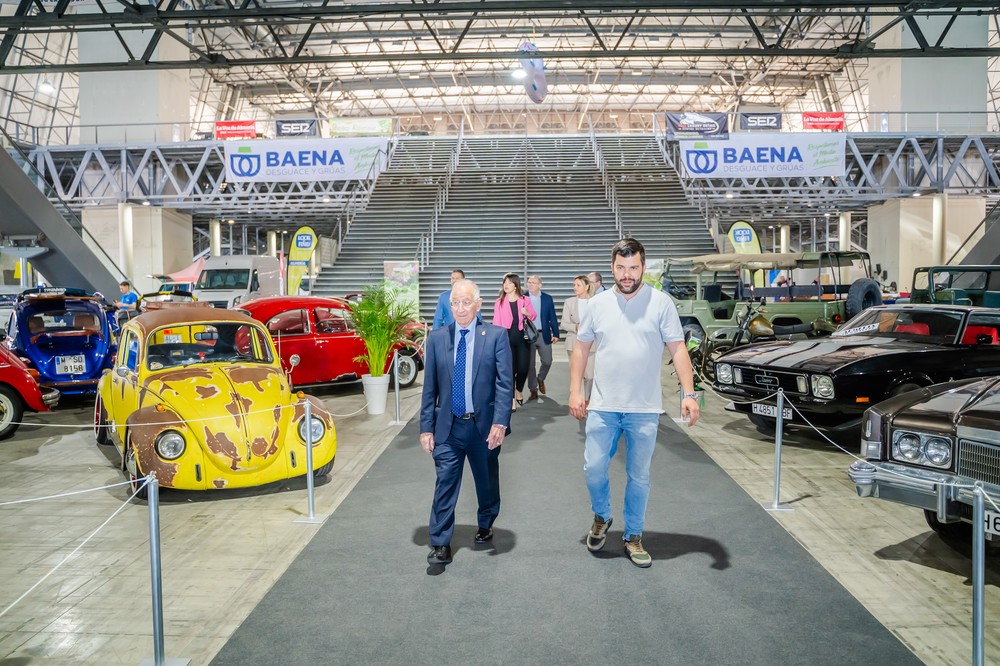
x=510, y=310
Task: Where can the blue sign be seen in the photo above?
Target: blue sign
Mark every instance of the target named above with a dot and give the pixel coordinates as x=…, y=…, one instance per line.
x=742, y=235
x=304, y=241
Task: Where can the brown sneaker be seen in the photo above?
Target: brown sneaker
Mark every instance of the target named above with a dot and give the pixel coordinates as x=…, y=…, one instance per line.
x=636, y=553
x=533, y=395
x=598, y=534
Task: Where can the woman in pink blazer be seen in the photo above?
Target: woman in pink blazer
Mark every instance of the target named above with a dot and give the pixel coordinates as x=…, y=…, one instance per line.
x=509, y=311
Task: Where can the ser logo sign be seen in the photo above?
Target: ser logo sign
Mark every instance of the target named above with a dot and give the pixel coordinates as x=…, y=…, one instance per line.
x=295, y=127
x=760, y=121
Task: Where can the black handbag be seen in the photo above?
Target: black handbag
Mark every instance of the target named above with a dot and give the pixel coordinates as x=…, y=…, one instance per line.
x=530, y=332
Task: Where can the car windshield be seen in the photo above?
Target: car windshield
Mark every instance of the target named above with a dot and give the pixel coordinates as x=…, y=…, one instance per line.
x=934, y=326
x=219, y=342
x=224, y=278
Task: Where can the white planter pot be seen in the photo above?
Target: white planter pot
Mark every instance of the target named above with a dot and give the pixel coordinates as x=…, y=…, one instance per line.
x=376, y=392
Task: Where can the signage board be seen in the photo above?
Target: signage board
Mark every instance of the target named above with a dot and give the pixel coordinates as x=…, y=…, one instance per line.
x=302, y=160
x=765, y=155
x=235, y=129
x=303, y=127
x=760, y=121
x=823, y=120
x=697, y=126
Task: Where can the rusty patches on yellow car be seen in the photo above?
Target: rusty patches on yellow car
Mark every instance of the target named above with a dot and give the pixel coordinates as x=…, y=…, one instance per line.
x=144, y=426
x=262, y=448
x=221, y=445
x=238, y=406
x=255, y=376
x=205, y=392
x=318, y=410
x=220, y=483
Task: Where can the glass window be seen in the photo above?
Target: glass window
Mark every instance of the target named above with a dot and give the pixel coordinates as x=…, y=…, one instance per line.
x=332, y=320
x=220, y=342
x=130, y=350
x=290, y=322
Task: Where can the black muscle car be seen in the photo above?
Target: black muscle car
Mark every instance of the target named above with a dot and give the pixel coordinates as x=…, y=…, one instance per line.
x=883, y=352
x=927, y=448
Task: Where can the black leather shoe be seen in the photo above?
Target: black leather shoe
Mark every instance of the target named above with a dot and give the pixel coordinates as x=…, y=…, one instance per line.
x=484, y=534
x=439, y=555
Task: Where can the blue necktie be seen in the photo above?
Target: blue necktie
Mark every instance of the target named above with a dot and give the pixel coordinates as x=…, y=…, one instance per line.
x=458, y=379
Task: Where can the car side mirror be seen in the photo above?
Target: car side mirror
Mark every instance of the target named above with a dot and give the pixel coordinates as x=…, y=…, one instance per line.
x=294, y=360
x=121, y=371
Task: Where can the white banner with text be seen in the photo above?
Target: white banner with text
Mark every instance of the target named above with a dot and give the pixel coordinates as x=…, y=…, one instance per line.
x=765, y=156
x=297, y=160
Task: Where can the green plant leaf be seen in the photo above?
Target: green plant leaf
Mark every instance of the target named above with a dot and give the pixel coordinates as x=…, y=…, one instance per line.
x=380, y=320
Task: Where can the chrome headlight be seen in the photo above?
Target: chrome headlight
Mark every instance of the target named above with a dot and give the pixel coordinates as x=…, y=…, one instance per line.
x=938, y=451
x=822, y=386
x=170, y=445
x=932, y=450
x=317, y=428
x=724, y=373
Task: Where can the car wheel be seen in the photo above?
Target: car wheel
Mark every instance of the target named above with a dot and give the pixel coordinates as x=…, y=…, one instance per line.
x=958, y=532
x=136, y=479
x=407, y=366
x=11, y=411
x=696, y=330
x=100, y=422
x=863, y=294
x=324, y=470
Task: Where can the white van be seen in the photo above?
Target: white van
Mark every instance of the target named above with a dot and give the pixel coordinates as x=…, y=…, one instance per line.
x=227, y=281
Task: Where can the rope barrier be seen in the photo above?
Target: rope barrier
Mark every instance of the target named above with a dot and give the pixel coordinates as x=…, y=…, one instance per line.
x=69, y=494
x=83, y=543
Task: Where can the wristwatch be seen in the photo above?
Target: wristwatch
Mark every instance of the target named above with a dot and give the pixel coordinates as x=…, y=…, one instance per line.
x=689, y=395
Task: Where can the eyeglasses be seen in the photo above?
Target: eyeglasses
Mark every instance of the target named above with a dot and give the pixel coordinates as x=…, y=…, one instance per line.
x=463, y=304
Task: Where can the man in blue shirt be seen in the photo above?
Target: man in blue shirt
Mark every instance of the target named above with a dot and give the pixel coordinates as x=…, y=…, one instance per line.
x=596, y=281
x=127, y=303
x=442, y=314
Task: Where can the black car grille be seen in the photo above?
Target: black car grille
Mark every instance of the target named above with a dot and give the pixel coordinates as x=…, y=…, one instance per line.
x=979, y=461
x=220, y=304
x=769, y=380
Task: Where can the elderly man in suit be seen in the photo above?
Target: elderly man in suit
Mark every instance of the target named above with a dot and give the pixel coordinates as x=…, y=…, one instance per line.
x=465, y=413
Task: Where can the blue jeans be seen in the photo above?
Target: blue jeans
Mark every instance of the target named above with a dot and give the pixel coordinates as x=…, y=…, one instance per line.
x=603, y=432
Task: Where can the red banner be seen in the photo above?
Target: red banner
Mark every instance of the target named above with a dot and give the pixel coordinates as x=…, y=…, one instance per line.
x=235, y=129
x=823, y=120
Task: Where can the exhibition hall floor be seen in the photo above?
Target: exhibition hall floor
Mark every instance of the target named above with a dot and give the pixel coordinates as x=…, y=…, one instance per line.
x=223, y=552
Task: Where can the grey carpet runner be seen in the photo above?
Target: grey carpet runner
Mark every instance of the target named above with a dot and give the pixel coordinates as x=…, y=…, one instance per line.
x=728, y=585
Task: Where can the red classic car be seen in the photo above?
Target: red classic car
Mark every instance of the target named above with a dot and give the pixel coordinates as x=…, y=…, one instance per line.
x=319, y=331
x=19, y=391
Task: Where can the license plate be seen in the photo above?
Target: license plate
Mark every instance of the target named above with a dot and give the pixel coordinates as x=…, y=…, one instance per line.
x=771, y=410
x=71, y=365
x=993, y=523
x=173, y=338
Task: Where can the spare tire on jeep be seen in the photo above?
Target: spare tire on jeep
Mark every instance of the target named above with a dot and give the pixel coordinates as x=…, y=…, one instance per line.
x=863, y=294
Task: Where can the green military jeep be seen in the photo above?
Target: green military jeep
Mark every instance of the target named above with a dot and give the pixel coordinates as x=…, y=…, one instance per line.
x=959, y=285
x=829, y=286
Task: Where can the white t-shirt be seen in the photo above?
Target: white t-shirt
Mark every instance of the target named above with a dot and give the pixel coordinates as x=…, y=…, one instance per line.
x=629, y=336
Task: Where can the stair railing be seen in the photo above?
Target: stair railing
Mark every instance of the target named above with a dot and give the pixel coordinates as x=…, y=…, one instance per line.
x=610, y=191
x=975, y=235
x=362, y=194
x=441, y=197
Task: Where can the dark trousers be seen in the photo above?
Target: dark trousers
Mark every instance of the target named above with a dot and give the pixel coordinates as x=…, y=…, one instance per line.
x=521, y=354
x=464, y=441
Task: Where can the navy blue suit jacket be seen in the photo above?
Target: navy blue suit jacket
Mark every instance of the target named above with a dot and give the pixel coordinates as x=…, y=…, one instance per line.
x=492, y=380
x=547, y=317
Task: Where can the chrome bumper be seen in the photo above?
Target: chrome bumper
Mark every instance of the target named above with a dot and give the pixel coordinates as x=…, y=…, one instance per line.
x=50, y=396
x=922, y=488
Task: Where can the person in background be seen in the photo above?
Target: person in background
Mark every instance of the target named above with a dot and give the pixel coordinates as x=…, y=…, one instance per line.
x=127, y=303
x=548, y=332
x=465, y=414
x=629, y=325
x=596, y=282
x=509, y=311
x=442, y=313
x=571, y=314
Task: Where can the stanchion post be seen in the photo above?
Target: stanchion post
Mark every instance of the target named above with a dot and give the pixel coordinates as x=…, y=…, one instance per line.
x=776, y=504
x=978, y=574
x=153, y=502
x=395, y=379
x=310, y=475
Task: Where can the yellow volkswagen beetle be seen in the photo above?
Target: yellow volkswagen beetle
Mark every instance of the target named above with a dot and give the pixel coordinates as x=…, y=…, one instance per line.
x=198, y=396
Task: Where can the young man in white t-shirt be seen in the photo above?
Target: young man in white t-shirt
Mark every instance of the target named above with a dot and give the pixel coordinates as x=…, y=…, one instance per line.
x=630, y=325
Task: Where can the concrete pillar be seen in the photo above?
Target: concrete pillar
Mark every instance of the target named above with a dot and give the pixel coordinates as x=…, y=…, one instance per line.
x=145, y=240
x=939, y=227
x=786, y=238
x=272, y=243
x=844, y=232
x=900, y=98
x=122, y=107
x=215, y=237
x=901, y=232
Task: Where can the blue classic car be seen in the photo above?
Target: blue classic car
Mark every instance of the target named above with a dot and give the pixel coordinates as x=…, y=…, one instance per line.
x=65, y=335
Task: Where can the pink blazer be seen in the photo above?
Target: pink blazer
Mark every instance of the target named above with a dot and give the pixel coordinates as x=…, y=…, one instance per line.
x=501, y=312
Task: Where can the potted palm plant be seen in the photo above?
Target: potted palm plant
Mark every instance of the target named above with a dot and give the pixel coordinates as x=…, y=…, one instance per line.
x=380, y=320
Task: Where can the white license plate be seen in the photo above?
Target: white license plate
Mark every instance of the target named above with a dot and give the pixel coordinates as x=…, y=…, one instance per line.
x=993, y=523
x=71, y=365
x=771, y=410
x=173, y=338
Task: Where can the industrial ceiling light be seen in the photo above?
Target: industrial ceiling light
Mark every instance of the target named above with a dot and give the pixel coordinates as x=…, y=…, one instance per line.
x=519, y=73
x=46, y=87
x=230, y=221
x=729, y=195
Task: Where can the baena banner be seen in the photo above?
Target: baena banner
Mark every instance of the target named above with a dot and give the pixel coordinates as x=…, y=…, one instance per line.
x=765, y=156
x=297, y=160
x=697, y=126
